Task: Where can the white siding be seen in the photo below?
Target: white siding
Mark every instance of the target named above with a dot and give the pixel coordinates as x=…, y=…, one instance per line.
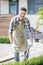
x=4, y=6
x=22, y=3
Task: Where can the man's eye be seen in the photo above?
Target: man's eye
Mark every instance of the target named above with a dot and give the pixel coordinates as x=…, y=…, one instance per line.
x=21, y=13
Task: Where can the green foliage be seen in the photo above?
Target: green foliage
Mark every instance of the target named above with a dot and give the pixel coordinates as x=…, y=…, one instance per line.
x=41, y=23
x=40, y=12
x=12, y=63
x=4, y=39
x=33, y=61
x=36, y=61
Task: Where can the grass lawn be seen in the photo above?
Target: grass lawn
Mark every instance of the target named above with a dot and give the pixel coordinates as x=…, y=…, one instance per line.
x=33, y=61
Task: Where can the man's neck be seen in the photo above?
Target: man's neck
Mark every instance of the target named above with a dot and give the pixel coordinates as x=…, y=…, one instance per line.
x=20, y=19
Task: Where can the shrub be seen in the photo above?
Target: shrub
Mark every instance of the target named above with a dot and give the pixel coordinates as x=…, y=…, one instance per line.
x=4, y=39
x=40, y=12
x=33, y=61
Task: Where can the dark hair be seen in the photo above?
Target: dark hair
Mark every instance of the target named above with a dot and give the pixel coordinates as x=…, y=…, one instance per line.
x=23, y=8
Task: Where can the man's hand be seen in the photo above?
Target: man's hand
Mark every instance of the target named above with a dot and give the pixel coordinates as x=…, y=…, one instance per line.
x=13, y=45
x=30, y=44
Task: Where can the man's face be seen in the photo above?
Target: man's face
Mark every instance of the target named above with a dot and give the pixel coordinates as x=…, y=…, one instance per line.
x=22, y=14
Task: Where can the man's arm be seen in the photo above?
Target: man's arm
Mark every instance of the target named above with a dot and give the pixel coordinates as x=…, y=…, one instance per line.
x=11, y=30
x=10, y=38
x=30, y=33
x=31, y=37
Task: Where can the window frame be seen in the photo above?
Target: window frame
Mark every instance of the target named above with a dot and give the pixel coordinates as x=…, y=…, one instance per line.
x=17, y=5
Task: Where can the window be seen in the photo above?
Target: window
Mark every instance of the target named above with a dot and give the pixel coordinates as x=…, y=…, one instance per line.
x=13, y=6
x=34, y=5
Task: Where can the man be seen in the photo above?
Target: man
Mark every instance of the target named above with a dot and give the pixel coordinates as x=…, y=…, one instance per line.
x=17, y=34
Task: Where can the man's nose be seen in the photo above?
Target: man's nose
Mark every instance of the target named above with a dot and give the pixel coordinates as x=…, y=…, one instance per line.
x=22, y=15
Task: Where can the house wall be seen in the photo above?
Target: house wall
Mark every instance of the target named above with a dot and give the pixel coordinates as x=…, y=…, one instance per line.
x=4, y=6
x=4, y=23
x=22, y=3
x=0, y=6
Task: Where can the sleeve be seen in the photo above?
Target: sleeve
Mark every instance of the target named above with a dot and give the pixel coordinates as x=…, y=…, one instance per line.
x=12, y=26
x=27, y=24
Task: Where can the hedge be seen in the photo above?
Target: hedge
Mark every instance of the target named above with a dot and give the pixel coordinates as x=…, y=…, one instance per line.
x=4, y=39
x=33, y=61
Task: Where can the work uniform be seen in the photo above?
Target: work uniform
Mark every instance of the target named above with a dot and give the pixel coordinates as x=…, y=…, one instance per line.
x=17, y=29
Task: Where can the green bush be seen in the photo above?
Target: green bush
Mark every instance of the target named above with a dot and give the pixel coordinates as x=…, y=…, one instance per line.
x=4, y=39
x=33, y=61
x=40, y=12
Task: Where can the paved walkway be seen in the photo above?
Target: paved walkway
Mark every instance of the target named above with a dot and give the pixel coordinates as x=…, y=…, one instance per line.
x=7, y=51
